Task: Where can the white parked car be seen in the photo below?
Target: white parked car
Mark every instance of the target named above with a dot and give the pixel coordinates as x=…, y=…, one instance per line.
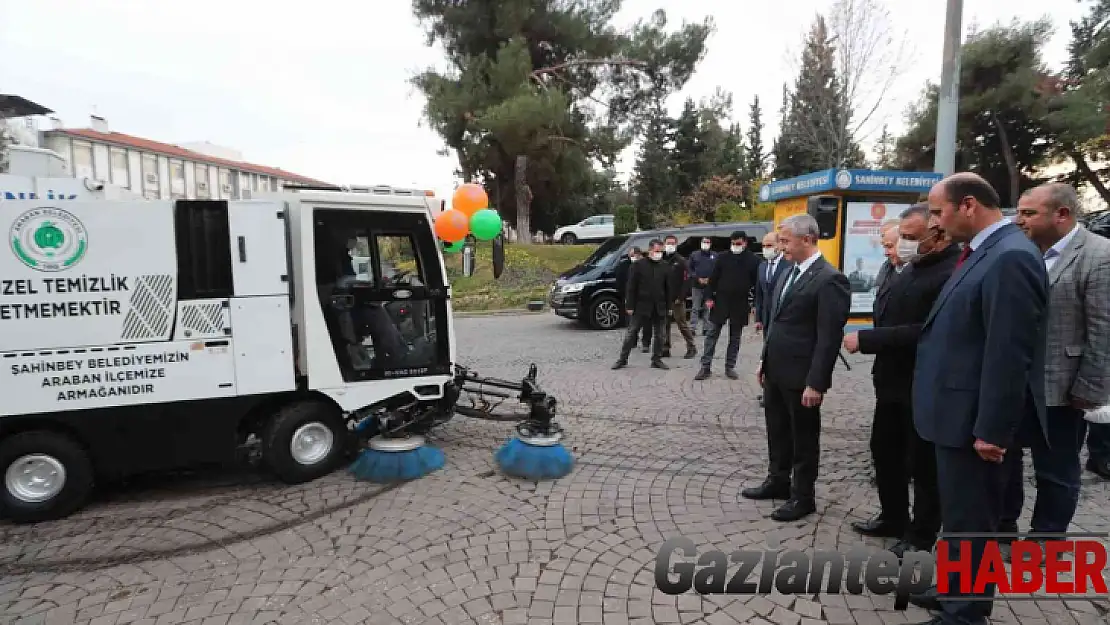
x=596, y=228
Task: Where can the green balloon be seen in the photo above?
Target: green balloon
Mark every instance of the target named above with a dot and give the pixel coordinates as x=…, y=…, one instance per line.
x=485, y=224
x=449, y=248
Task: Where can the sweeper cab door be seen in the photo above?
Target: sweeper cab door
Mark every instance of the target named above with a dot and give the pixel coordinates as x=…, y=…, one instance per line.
x=380, y=283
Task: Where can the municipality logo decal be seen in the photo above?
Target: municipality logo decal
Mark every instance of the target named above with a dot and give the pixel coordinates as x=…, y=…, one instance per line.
x=764, y=192
x=843, y=179
x=49, y=239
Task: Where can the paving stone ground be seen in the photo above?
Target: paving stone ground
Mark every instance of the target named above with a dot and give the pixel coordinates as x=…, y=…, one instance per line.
x=659, y=455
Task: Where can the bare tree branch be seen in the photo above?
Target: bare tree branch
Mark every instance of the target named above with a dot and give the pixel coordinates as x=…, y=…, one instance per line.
x=587, y=62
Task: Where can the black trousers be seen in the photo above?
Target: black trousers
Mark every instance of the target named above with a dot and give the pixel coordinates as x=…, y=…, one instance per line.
x=657, y=323
x=893, y=440
x=793, y=439
x=971, y=501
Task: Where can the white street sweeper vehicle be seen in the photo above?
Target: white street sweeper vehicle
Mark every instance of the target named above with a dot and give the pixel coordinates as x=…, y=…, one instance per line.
x=141, y=335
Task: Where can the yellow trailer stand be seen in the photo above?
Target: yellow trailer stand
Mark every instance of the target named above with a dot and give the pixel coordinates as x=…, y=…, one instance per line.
x=850, y=205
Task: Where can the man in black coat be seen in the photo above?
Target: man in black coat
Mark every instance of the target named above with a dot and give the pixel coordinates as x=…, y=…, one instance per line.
x=901, y=307
x=809, y=310
x=771, y=270
x=679, y=289
x=727, y=297
x=647, y=302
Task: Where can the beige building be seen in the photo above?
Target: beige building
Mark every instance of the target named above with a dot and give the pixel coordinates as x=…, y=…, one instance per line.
x=160, y=170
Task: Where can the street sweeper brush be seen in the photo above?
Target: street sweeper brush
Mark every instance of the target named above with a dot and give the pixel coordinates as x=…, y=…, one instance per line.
x=536, y=452
x=396, y=453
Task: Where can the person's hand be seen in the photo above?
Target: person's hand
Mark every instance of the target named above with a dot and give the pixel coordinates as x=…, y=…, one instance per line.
x=709, y=304
x=703, y=280
x=629, y=311
x=988, y=451
x=758, y=326
x=851, y=342
x=1081, y=404
x=811, y=398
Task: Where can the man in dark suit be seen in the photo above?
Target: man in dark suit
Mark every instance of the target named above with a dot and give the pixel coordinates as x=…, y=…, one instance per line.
x=727, y=297
x=979, y=374
x=678, y=292
x=647, y=300
x=809, y=309
x=902, y=304
x=771, y=269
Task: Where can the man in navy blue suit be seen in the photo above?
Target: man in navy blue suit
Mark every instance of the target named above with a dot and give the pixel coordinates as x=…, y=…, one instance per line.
x=979, y=374
x=770, y=269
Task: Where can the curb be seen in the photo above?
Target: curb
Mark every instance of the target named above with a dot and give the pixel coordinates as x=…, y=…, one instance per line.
x=507, y=312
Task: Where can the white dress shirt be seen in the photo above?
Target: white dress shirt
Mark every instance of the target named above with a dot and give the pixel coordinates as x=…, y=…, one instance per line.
x=1053, y=253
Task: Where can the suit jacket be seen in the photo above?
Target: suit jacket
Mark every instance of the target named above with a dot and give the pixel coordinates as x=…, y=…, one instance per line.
x=678, y=285
x=649, y=284
x=806, y=329
x=764, y=289
x=980, y=360
x=1077, y=360
x=902, y=304
x=730, y=285
x=885, y=272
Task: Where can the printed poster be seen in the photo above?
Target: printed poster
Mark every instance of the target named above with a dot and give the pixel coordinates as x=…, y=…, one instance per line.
x=863, y=249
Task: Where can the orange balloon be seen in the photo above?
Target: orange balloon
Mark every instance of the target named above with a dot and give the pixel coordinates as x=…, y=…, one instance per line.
x=469, y=199
x=452, y=226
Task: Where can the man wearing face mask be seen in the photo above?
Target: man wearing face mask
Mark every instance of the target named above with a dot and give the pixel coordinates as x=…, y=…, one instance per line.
x=771, y=268
x=907, y=297
x=734, y=275
x=700, y=268
x=647, y=302
x=678, y=292
x=623, y=271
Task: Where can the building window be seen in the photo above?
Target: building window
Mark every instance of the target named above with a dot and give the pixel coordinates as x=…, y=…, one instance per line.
x=203, y=192
x=150, y=177
x=226, y=188
x=121, y=177
x=82, y=159
x=244, y=186
x=177, y=180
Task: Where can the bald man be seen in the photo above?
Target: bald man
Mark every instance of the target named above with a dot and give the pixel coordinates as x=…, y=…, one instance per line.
x=979, y=375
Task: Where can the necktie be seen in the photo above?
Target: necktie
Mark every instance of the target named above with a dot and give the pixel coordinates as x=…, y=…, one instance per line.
x=770, y=271
x=789, y=283
x=963, y=256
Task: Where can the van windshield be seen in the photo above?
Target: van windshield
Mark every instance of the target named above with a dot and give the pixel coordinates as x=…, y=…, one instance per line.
x=605, y=252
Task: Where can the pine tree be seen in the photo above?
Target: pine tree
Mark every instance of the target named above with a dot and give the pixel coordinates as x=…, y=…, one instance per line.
x=756, y=161
x=653, y=179
x=884, y=150
x=689, y=149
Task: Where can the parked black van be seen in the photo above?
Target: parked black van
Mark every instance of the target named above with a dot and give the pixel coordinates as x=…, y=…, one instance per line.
x=591, y=293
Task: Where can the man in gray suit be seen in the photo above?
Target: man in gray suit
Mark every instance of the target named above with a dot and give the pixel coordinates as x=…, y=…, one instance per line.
x=1077, y=356
x=979, y=376
x=810, y=306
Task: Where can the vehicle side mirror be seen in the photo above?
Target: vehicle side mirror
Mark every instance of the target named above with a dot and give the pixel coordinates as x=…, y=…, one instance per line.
x=468, y=259
x=498, y=255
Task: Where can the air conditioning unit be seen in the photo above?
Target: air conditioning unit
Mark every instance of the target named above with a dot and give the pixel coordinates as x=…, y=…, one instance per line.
x=202, y=186
x=225, y=188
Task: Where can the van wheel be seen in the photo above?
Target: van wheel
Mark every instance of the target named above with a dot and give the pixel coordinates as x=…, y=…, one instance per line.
x=605, y=313
x=47, y=476
x=304, y=441
x=569, y=239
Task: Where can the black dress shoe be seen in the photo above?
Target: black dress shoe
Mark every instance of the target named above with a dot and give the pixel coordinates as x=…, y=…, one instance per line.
x=902, y=547
x=620, y=364
x=936, y=620
x=1099, y=468
x=691, y=352
x=769, y=489
x=659, y=364
x=926, y=600
x=667, y=353
x=879, y=528
x=793, y=510
x=645, y=349
x=731, y=374
x=703, y=374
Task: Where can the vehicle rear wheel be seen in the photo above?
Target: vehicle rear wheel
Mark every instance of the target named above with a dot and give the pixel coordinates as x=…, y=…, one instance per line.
x=569, y=239
x=304, y=441
x=605, y=313
x=47, y=476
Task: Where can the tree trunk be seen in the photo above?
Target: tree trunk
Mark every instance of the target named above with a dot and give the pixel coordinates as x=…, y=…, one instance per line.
x=1008, y=156
x=1091, y=177
x=523, y=200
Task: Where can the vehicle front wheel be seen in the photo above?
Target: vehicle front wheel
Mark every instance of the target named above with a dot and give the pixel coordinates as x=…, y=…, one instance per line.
x=47, y=476
x=569, y=239
x=605, y=313
x=304, y=441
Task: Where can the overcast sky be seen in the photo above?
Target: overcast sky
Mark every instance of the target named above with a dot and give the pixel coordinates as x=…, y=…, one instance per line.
x=321, y=88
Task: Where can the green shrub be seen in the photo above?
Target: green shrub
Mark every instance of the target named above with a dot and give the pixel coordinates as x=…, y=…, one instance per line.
x=624, y=220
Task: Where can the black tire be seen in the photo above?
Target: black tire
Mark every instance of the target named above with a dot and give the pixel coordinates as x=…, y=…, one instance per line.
x=77, y=476
x=569, y=239
x=277, y=440
x=605, y=313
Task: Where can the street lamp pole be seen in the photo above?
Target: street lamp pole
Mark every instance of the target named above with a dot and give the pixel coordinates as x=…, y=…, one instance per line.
x=948, y=106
